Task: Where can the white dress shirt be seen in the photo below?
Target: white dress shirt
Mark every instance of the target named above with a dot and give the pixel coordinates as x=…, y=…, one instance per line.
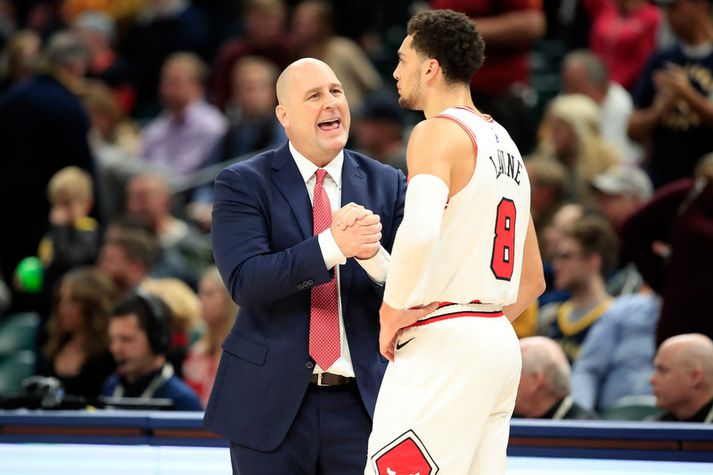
x=376, y=267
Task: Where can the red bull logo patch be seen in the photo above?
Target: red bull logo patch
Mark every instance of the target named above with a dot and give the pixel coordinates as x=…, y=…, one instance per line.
x=406, y=455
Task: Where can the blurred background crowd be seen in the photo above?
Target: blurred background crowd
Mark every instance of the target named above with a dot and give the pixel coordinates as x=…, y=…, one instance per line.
x=116, y=115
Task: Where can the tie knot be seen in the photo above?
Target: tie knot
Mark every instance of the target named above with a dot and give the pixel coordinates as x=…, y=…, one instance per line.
x=321, y=172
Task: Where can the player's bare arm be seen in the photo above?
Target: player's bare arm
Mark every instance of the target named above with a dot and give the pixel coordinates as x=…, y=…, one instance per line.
x=532, y=281
x=430, y=162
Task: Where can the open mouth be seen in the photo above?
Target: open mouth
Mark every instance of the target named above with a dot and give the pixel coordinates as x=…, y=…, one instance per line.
x=329, y=124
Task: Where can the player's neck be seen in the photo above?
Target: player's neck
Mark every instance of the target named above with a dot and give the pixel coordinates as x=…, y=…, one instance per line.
x=444, y=97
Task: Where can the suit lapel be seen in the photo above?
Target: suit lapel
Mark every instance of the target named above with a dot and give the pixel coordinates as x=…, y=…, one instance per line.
x=353, y=190
x=289, y=182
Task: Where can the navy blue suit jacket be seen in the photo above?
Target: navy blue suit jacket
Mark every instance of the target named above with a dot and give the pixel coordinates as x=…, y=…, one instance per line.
x=269, y=260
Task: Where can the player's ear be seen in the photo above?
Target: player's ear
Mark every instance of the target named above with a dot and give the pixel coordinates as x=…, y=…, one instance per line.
x=431, y=68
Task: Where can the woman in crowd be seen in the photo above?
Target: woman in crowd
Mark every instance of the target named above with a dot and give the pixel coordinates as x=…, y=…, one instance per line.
x=77, y=349
x=570, y=134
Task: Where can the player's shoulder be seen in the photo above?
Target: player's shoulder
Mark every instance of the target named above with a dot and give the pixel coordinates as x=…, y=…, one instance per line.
x=439, y=134
x=436, y=124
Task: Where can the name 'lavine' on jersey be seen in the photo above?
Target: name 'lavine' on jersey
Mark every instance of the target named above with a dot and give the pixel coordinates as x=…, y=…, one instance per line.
x=479, y=254
x=507, y=165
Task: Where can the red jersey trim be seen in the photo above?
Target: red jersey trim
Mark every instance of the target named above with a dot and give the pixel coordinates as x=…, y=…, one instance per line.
x=485, y=117
x=448, y=316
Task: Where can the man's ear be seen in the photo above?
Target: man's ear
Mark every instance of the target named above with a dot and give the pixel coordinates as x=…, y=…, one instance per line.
x=431, y=68
x=281, y=114
x=696, y=375
x=595, y=262
x=538, y=381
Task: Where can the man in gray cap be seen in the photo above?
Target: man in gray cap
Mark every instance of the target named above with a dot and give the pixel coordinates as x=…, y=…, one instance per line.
x=620, y=191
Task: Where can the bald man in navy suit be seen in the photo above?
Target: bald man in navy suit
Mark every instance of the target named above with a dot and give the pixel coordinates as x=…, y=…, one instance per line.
x=301, y=369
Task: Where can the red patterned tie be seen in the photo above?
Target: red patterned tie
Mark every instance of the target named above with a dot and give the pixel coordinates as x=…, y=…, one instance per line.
x=324, y=340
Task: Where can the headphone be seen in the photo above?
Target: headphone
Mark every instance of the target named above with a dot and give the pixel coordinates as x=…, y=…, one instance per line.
x=158, y=323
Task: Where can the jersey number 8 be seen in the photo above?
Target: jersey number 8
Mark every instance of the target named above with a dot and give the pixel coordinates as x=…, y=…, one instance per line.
x=502, y=261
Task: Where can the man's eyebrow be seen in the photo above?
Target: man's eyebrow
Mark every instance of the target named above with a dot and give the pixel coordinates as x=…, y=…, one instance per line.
x=317, y=88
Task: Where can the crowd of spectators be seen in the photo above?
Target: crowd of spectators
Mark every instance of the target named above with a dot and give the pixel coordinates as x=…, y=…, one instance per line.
x=115, y=116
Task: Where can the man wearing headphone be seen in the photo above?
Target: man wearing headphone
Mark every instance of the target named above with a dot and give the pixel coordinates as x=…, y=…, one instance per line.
x=139, y=336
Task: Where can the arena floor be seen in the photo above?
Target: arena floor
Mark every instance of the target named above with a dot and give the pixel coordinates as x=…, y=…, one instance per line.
x=69, y=459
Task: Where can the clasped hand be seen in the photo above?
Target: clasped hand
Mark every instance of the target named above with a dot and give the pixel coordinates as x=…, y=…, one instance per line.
x=357, y=231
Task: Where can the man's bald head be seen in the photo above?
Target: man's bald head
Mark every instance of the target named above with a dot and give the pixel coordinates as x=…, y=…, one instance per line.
x=691, y=350
x=313, y=110
x=294, y=70
x=683, y=374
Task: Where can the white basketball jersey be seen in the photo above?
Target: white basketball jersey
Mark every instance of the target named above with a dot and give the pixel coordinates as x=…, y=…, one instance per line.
x=480, y=251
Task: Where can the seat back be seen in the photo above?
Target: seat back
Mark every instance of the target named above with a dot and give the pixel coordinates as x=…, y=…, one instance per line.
x=632, y=408
x=18, y=332
x=13, y=370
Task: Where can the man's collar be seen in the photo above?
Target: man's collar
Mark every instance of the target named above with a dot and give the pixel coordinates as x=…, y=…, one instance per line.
x=188, y=114
x=307, y=168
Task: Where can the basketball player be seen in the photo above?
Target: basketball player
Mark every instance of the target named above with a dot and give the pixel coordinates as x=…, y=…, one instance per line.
x=466, y=241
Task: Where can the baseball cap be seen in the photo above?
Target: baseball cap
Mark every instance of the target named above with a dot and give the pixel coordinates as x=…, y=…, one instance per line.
x=97, y=21
x=623, y=180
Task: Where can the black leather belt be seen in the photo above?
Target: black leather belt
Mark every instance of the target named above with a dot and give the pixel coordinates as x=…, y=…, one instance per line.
x=329, y=379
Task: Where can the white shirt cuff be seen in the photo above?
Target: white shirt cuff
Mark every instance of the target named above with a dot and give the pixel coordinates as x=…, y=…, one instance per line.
x=331, y=253
x=378, y=266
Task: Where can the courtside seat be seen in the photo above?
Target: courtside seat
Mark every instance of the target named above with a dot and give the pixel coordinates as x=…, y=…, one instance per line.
x=13, y=370
x=18, y=332
x=632, y=408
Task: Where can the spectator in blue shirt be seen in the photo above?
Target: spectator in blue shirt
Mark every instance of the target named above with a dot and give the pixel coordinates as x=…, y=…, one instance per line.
x=616, y=358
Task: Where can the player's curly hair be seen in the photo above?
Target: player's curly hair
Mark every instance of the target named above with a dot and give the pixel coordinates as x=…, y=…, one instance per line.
x=452, y=39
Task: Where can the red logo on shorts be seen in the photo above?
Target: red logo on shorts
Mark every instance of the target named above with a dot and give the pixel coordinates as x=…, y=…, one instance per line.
x=404, y=456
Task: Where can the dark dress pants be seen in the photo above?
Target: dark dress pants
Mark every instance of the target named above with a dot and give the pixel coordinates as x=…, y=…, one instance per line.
x=328, y=437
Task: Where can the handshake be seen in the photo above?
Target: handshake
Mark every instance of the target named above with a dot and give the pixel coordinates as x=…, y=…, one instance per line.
x=357, y=231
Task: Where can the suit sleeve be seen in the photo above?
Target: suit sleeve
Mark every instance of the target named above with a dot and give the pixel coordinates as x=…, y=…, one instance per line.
x=252, y=271
x=398, y=210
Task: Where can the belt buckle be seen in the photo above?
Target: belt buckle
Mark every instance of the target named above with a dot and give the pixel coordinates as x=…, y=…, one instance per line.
x=320, y=380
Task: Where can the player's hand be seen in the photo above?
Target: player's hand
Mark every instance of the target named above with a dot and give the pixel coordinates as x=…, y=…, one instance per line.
x=370, y=230
x=393, y=320
x=361, y=238
x=348, y=215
